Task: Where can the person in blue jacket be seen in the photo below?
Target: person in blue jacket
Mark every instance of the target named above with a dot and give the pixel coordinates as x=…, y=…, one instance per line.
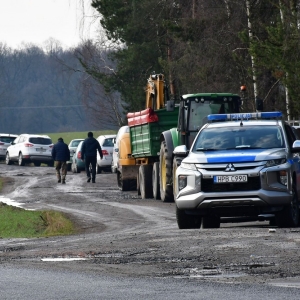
x=89, y=149
x=61, y=154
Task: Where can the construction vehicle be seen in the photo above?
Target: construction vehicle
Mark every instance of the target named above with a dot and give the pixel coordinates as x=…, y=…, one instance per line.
x=148, y=161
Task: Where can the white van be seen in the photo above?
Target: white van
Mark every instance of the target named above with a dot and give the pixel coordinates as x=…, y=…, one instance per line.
x=115, y=160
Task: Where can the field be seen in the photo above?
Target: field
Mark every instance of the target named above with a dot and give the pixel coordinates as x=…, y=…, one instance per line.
x=68, y=136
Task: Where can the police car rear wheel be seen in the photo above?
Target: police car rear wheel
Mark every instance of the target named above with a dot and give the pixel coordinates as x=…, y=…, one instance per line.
x=289, y=216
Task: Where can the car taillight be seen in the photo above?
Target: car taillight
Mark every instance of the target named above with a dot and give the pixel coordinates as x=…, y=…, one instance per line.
x=79, y=154
x=28, y=145
x=1, y=143
x=51, y=146
x=104, y=152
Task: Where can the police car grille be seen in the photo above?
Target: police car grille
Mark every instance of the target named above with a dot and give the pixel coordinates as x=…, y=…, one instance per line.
x=237, y=168
x=208, y=186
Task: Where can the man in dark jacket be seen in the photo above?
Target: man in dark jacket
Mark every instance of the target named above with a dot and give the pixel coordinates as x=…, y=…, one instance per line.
x=89, y=149
x=61, y=154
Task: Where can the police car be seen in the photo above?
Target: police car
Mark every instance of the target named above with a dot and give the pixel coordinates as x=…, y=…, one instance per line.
x=239, y=165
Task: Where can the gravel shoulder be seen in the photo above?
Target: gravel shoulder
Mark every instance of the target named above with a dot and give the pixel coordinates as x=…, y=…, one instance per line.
x=121, y=234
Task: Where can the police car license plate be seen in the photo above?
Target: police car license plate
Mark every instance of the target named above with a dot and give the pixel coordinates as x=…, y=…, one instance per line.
x=230, y=178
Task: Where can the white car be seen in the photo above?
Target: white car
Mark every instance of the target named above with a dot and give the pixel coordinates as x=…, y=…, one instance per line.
x=115, y=159
x=30, y=148
x=107, y=145
x=72, y=147
x=5, y=140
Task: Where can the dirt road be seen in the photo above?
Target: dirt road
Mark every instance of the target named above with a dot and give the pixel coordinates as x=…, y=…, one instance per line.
x=122, y=234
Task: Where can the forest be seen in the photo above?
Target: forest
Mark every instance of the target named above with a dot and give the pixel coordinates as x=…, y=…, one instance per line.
x=199, y=45
x=47, y=91
x=204, y=46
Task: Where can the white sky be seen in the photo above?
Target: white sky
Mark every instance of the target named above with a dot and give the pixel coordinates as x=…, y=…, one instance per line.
x=36, y=21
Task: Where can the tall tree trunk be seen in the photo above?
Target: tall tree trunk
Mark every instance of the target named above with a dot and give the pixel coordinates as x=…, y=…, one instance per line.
x=250, y=33
x=287, y=98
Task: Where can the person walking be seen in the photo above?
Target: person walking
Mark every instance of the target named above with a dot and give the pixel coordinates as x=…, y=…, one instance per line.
x=61, y=154
x=89, y=149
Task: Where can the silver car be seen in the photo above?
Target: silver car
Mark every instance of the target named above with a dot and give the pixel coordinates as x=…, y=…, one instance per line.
x=72, y=147
x=107, y=145
x=5, y=140
x=241, y=167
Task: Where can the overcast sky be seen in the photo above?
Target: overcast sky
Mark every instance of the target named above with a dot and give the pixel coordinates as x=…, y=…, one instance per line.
x=36, y=21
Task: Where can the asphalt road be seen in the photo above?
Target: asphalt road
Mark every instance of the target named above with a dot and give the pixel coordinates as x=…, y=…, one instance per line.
x=132, y=248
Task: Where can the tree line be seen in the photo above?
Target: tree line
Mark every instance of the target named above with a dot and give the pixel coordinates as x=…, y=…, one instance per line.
x=202, y=46
x=47, y=90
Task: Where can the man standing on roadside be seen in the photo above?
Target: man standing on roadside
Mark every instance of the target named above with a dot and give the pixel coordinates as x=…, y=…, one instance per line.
x=61, y=154
x=89, y=149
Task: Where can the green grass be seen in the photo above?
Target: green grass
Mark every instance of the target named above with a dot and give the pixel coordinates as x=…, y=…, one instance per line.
x=68, y=136
x=16, y=222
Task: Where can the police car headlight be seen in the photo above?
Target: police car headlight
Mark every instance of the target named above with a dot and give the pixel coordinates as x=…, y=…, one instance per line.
x=275, y=162
x=188, y=166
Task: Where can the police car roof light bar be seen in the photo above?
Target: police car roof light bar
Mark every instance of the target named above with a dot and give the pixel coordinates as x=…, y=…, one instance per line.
x=244, y=116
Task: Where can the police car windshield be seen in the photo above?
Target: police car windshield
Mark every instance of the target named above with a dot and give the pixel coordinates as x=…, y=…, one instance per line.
x=247, y=137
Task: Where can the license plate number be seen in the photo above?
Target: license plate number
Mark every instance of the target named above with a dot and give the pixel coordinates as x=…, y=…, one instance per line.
x=40, y=149
x=230, y=178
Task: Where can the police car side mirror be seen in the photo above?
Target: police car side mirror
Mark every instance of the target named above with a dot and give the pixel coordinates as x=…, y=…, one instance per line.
x=181, y=150
x=296, y=147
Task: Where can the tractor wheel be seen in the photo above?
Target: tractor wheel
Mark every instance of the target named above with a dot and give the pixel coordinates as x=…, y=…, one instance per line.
x=176, y=163
x=165, y=174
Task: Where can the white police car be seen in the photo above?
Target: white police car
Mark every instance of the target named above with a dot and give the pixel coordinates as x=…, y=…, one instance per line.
x=240, y=165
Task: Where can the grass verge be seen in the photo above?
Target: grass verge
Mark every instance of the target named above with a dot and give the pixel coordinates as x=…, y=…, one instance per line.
x=16, y=222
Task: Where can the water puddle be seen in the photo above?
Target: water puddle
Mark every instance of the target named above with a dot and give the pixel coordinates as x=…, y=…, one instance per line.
x=64, y=259
x=10, y=202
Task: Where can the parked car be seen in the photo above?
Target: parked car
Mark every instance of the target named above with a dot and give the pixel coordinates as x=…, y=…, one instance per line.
x=107, y=145
x=115, y=158
x=30, y=148
x=72, y=147
x=5, y=140
x=77, y=164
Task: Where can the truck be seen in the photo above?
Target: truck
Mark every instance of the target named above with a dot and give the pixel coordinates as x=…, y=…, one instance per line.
x=146, y=159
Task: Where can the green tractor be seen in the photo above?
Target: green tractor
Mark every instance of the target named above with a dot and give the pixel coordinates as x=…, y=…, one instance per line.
x=163, y=125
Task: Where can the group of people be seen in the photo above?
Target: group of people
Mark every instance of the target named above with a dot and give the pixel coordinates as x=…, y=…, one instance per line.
x=61, y=154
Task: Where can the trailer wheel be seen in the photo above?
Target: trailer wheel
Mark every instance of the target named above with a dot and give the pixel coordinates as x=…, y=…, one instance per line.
x=155, y=181
x=145, y=180
x=138, y=185
x=123, y=185
x=289, y=216
x=165, y=174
